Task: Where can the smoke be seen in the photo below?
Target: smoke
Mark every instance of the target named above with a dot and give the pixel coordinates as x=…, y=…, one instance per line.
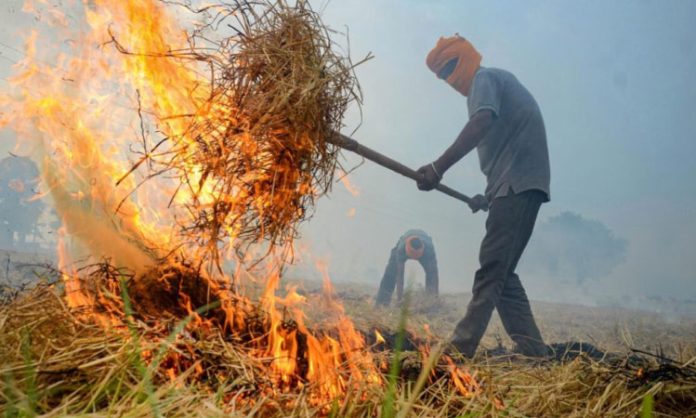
x=571, y=248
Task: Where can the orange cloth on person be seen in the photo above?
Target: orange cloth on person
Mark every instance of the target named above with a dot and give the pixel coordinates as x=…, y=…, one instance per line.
x=469, y=62
x=414, y=253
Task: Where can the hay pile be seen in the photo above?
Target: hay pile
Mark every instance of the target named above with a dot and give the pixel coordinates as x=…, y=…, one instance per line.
x=255, y=156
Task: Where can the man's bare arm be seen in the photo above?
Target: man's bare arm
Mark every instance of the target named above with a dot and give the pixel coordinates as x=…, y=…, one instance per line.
x=474, y=131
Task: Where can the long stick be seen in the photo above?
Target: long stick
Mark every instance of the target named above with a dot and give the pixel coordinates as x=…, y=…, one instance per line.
x=352, y=145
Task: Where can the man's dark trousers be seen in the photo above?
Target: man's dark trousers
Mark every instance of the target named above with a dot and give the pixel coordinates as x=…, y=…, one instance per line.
x=394, y=275
x=508, y=228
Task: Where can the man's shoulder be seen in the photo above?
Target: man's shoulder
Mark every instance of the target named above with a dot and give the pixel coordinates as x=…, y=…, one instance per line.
x=492, y=72
x=501, y=81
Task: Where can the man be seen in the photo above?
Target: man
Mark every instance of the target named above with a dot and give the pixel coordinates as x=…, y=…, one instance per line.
x=506, y=128
x=413, y=245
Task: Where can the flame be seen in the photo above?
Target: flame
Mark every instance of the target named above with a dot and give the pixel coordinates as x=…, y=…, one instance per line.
x=68, y=111
x=282, y=341
x=79, y=107
x=379, y=338
x=334, y=357
x=352, y=189
x=466, y=383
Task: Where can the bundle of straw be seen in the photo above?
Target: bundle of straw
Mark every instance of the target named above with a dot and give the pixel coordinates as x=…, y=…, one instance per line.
x=258, y=144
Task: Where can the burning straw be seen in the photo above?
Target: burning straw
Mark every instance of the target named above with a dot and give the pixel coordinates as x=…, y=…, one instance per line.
x=245, y=145
x=254, y=156
x=55, y=364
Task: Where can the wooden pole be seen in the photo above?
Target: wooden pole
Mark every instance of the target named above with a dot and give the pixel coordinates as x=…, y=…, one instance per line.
x=352, y=145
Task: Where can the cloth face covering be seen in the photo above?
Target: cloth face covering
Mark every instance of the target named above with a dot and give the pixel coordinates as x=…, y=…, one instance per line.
x=469, y=61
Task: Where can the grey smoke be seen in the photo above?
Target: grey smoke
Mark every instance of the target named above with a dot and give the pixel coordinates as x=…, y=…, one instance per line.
x=19, y=211
x=572, y=248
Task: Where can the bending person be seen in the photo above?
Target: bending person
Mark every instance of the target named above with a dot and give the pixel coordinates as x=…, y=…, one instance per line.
x=413, y=245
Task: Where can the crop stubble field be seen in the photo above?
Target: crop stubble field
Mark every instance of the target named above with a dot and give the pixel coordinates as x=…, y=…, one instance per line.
x=54, y=365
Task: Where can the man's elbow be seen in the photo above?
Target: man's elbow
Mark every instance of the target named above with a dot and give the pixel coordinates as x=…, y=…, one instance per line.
x=484, y=120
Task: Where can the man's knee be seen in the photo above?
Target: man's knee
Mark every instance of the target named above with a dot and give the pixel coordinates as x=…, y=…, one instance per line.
x=514, y=296
x=490, y=277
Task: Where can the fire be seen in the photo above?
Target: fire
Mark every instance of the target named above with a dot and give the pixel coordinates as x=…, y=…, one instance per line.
x=332, y=358
x=465, y=382
x=350, y=187
x=68, y=115
x=81, y=109
x=282, y=342
x=379, y=338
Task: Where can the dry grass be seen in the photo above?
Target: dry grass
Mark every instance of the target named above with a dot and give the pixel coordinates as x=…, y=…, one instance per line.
x=256, y=153
x=55, y=365
x=253, y=158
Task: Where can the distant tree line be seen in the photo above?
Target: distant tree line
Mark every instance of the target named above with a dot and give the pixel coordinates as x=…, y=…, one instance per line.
x=570, y=247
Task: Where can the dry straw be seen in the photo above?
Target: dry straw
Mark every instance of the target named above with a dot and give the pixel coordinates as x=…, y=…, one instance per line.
x=53, y=364
x=258, y=144
x=278, y=92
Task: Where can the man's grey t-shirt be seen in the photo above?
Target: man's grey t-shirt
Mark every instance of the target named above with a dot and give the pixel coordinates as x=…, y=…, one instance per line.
x=514, y=155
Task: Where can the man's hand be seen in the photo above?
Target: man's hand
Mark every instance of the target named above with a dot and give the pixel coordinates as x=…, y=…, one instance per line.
x=429, y=178
x=477, y=203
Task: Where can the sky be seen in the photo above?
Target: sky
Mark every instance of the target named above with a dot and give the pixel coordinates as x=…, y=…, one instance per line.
x=614, y=82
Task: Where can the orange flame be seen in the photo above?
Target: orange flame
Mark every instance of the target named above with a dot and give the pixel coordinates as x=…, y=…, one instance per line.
x=465, y=382
x=380, y=339
x=352, y=189
x=79, y=107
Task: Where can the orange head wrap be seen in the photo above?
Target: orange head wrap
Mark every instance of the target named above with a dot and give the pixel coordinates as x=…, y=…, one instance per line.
x=469, y=61
x=414, y=247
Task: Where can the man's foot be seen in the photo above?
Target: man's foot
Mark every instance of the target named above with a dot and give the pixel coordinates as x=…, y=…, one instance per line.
x=531, y=347
x=456, y=353
x=535, y=351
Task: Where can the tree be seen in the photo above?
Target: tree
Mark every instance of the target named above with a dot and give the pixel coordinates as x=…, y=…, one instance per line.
x=569, y=246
